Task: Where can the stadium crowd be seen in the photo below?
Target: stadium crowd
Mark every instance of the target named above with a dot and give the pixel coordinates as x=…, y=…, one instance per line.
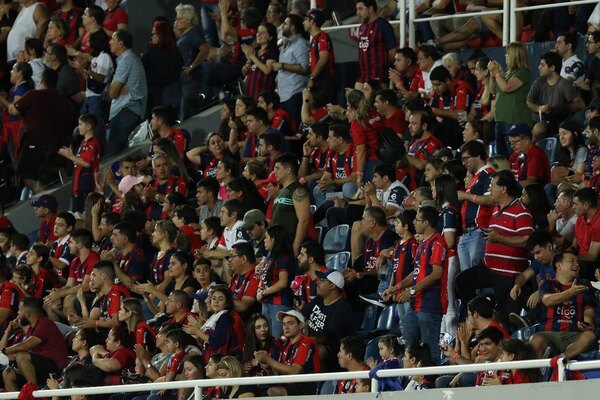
x=462, y=197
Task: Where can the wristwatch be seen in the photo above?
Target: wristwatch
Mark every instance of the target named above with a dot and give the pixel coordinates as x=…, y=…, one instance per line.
x=149, y=365
x=412, y=291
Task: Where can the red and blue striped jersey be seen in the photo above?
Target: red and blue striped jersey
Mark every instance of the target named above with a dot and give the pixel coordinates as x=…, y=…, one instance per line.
x=132, y=264
x=256, y=80
x=319, y=43
x=302, y=352
x=402, y=258
x=83, y=177
x=375, y=40
x=160, y=265
x=173, y=184
x=271, y=275
x=60, y=250
x=110, y=303
x=342, y=165
x=79, y=269
x=564, y=317
x=473, y=214
x=430, y=252
x=73, y=18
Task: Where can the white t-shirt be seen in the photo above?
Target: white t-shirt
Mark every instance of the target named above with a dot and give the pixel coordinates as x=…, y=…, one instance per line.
x=103, y=65
x=573, y=68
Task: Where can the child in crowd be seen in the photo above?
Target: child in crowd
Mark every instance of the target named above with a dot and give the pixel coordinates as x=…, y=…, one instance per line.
x=86, y=160
x=363, y=385
x=514, y=350
x=422, y=382
x=389, y=348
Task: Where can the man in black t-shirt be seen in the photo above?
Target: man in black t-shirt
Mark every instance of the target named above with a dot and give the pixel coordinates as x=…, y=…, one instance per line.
x=327, y=317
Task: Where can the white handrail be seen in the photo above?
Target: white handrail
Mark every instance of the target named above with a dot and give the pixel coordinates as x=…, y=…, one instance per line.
x=452, y=369
x=515, y=9
x=452, y=16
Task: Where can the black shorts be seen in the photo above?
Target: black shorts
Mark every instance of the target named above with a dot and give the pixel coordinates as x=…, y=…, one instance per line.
x=44, y=366
x=38, y=164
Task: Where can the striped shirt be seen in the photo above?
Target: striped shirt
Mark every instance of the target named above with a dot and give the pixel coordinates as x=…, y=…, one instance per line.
x=510, y=221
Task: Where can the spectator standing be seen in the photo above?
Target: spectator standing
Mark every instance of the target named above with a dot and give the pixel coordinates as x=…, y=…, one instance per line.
x=292, y=67
x=573, y=69
x=511, y=93
x=47, y=119
x=376, y=44
x=86, y=160
x=162, y=63
x=291, y=207
x=128, y=92
x=474, y=215
x=321, y=54
x=115, y=18
x=31, y=21
x=194, y=50
x=72, y=16
x=552, y=98
x=505, y=254
x=423, y=287
x=68, y=84
x=591, y=82
x=258, y=69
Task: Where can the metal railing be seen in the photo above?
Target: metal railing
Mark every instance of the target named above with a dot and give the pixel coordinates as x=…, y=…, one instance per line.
x=514, y=9
x=198, y=385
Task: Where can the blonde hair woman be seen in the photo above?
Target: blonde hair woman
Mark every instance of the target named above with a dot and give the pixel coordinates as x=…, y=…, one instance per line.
x=365, y=124
x=512, y=88
x=230, y=367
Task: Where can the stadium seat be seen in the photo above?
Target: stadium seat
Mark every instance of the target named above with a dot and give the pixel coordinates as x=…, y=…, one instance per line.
x=338, y=261
x=524, y=334
x=372, y=350
x=549, y=145
x=319, y=230
x=336, y=239
x=492, y=148
x=313, y=208
x=388, y=320
x=370, y=318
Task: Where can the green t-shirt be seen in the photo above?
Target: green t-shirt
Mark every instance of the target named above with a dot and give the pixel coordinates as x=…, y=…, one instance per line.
x=512, y=107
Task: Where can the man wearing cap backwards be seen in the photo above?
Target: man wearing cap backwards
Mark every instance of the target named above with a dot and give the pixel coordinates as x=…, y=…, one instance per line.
x=321, y=52
x=327, y=316
x=45, y=208
x=528, y=162
x=255, y=223
x=297, y=354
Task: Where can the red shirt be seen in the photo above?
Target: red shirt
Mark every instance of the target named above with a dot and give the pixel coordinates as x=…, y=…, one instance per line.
x=114, y=17
x=423, y=149
x=396, y=122
x=245, y=285
x=367, y=134
x=46, y=233
x=533, y=164
x=52, y=343
x=512, y=220
x=111, y=301
x=320, y=43
x=145, y=335
x=193, y=236
x=587, y=232
x=10, y=297
x=180, y=139
x=175, y=362
x=457, y=99
x=79, y=269
x=302, y=352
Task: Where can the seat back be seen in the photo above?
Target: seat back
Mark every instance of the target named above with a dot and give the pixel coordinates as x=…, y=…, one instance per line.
x=549, y=145
x=319, y=230
x=492, y=148
x=388, y=319
x=336, y=239
x=370, y=318
x=338, y=261
x=524, y=334
x=372, y=350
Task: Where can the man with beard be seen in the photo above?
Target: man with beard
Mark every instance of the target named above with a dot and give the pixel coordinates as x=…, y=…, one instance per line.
x=269, y=147
x=376, y=44
x=244, y=283
x=310, y=261
x=162, y=121
x=327, y=316
x=293, y=66
x=424, y=144
x=406, y=74
x=44, y=352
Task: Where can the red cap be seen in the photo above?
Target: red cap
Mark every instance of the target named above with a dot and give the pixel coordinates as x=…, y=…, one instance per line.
x=271, y=179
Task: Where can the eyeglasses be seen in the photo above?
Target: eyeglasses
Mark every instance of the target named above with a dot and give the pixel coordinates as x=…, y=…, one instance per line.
x=231, y=256
x=465, y=159
x=514, y=142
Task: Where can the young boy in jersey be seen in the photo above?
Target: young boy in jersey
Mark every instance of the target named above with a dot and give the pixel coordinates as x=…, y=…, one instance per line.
x=176, y=343
x=87, y=161
x=60, y=254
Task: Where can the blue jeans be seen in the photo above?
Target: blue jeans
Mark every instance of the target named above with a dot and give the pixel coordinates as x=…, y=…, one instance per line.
x=270, y=311
x=409, y=324
x=209, y=26
x=471, y=248
x=429, y=326
x=348, y=189
x=121, y=127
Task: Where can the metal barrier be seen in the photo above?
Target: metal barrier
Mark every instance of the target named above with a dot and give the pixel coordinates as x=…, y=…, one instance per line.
x=198, y=385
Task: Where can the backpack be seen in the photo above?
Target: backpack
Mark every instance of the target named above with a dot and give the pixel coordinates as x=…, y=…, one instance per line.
x=391, y=146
